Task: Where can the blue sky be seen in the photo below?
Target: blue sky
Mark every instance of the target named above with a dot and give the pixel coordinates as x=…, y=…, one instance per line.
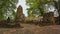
x=23, y=4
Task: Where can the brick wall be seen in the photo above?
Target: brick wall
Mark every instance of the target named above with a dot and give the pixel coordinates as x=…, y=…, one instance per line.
x=48, y=18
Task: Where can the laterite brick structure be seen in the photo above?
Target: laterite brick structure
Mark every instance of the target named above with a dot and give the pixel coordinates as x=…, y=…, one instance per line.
x=48, y=18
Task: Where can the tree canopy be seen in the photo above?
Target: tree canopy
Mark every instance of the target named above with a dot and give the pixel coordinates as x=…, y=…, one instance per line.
x=38, y=7
x=7, y=7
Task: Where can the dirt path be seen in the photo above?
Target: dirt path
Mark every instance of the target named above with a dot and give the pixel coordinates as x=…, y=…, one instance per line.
x=32, y=29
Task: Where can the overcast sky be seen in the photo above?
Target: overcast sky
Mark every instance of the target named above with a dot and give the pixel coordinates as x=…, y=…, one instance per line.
x=23, y=4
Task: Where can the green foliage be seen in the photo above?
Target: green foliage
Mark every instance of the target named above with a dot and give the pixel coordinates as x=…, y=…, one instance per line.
x=7, y=6
x=36, y=7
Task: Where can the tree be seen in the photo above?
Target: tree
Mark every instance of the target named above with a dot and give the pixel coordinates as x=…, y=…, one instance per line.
x=57, y=6
x=7, y=7
x=37, y=7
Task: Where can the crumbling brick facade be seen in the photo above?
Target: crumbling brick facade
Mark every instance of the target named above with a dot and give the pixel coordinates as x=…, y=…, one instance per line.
x=19, y=16
x=48, y=18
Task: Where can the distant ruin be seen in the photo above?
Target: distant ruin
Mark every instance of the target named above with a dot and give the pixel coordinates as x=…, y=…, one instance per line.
x=19, y=16
x=49, y=18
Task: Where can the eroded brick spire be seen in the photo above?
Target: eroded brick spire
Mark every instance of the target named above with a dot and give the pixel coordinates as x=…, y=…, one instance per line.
x=20, y=9
x=19, y=14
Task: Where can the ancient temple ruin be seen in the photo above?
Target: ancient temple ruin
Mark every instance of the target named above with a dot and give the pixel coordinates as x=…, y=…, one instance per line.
x=19, y=16
x=49, y=18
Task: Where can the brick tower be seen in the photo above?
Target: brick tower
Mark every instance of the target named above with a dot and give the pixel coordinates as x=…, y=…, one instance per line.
x=19, y=16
